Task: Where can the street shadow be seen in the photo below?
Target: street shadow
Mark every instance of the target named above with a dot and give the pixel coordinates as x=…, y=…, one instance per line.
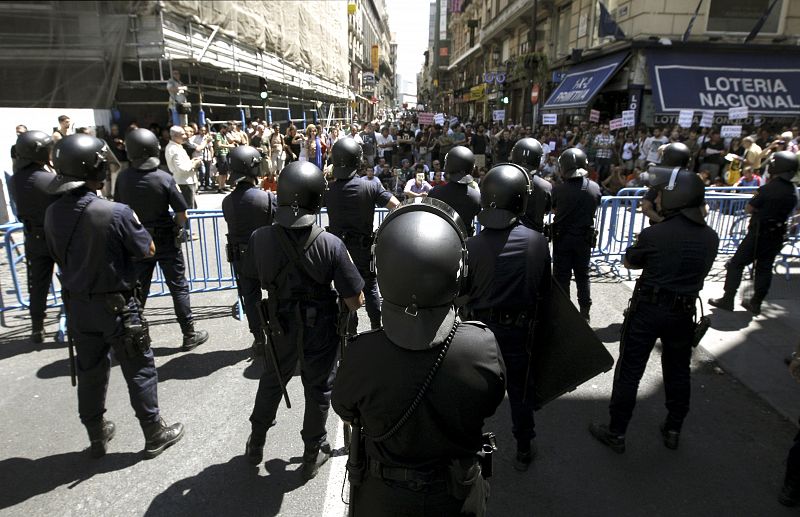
x=727, y=321
x=157, y=316
x=196, y=365
x=23, y=478
x=55, y=369
x=21, y=346
x=609, y=334
x=232, y=489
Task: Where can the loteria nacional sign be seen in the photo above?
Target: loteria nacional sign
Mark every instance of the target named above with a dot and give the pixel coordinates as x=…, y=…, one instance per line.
x=687, y=81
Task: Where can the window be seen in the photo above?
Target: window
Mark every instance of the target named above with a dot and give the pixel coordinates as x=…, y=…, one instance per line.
x=523, y=43
x=564, y=26
x=741, y=15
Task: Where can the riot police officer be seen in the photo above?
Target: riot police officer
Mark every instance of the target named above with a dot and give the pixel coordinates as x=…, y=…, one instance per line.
x=246, y=209
x=96, y=243
x=351, y=203
x=29, y=186
x=769, y=208
x=675, y=154
x=675, y=256
x=509, y=266
x=527, y=153
x=466, y=201
x=574, y=204
x=296, y=261
x=150, y=192
x=419, y=458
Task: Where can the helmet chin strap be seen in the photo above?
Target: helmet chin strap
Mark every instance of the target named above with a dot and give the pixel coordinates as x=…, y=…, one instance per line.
x=672, y=179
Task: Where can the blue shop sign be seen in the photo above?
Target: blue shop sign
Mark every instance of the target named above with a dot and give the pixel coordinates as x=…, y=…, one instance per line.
x=583, y=81
x=718, y=82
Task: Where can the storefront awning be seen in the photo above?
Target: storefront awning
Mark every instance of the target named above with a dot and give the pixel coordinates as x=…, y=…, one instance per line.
x=584, y=80
x=717, y=82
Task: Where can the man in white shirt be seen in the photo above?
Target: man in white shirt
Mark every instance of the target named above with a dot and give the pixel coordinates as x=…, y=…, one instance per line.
x=183, y=168
x=652, y=144
x=385, y=144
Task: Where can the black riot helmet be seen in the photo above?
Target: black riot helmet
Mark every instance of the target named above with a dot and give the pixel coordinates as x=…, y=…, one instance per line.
x=346, y=156
x=245, y=160
x=143, y=149
x=783, y=164
x=527, y=153
x=77, y=159
x=458, y=165
x=573, y=163
x=424, y=239
x=504, y=195
x=675, y=154
x=300, y=189
x=33, y=147
x=682, y=191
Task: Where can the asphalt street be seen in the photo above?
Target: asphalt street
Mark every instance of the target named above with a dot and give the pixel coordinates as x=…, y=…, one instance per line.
x=730, y=462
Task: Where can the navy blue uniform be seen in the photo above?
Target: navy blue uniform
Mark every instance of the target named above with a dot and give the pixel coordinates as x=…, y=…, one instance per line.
x=574, y=203
x=351, y=209
x=29, y=189
x=540, y=203
x=464, y=200
x=676, y=256
x=151, y=194
x=773, y=203
x=307, y=313
x=378, y=380
x=509, y=270
x=96, y=243
x=246, y=209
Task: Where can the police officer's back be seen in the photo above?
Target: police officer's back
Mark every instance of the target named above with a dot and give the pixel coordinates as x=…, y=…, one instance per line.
x=410, y=457
x=96, y=243
x=295, y=261
x=675, y=256
x=509, y=271
x=527, y=153
x=770, y=207
x=246, y=209
x=574, y=203
x=466, y=201
x=29, y=188
x=150, y=192
x=351, y=203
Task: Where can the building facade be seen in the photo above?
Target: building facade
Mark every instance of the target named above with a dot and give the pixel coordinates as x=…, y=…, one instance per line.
x=614, y=56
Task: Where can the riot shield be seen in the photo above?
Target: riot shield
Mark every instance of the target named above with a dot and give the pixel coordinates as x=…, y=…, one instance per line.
x=565, y=350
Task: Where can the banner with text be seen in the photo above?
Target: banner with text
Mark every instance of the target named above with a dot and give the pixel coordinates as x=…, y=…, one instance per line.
x=718, y=82
x=498, y=115
x=425, y=117
x=549, y=119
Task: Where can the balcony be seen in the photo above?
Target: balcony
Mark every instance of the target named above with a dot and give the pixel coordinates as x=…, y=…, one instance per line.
x=509, y=17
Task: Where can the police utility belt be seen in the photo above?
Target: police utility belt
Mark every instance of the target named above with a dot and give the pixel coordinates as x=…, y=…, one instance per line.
x=501, y=316
x=235, y=252
x=353, y=239
x=665, y=298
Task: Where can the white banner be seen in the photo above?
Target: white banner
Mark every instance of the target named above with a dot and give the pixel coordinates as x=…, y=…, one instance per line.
x=685, y=118
x=730, y=131
x=549, y=119
x=438, y=119
x=594, y=116
x=628, y=118
x=615, y=124
x=498, y=115
x=707, y=119
x=737, y=113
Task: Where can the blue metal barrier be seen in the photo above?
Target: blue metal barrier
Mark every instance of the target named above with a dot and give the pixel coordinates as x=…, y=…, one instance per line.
x=618, y=220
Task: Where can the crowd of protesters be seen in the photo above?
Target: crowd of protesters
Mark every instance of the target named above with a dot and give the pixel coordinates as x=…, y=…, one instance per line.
x=407, y=157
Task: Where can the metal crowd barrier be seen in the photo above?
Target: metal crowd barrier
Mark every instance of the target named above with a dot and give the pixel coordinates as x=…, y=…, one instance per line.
x=619, y=221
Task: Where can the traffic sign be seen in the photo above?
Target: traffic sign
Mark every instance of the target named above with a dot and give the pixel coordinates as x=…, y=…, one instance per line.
x=535, y=94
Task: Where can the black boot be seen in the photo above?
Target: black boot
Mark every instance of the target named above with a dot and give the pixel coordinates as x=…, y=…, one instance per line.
x=100, y=433
x=193, y=338
x=615, y=442
x=254, y=450
x=584, y=310
x=753, y=305
x=526, y=451
x=37, y=333
x=158, y=436
x=313, y=458
x=724, y=303
x=671, y=437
